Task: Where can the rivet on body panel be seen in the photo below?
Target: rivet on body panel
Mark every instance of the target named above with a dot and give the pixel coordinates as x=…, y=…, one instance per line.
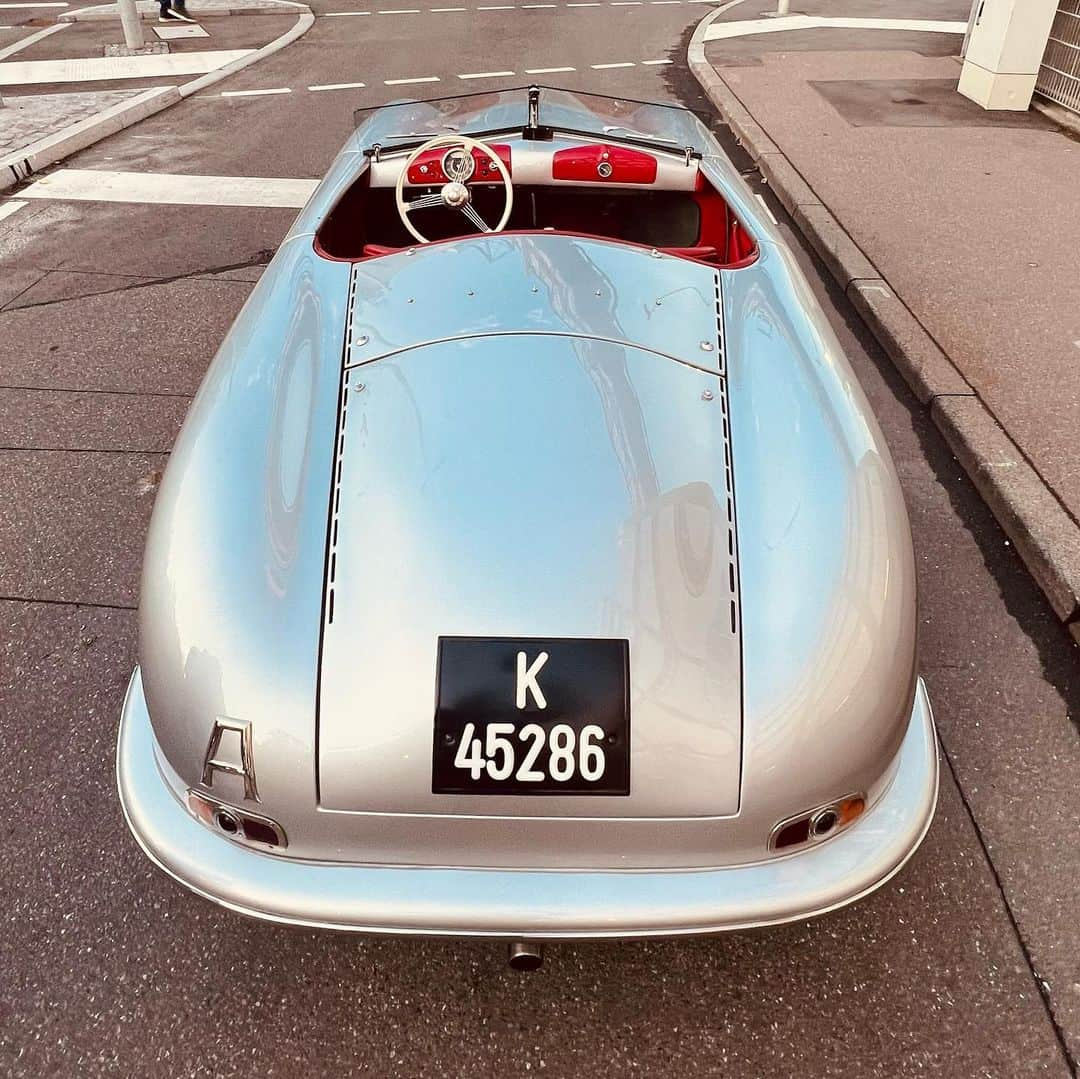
x=706, y=395
x=706, y=346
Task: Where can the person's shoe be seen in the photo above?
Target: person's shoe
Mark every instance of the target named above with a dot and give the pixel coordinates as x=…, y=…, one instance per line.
x=181, y=9
x=168, y=15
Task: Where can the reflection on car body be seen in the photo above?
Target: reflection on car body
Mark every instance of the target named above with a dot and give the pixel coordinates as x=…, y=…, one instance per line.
x=530, y=564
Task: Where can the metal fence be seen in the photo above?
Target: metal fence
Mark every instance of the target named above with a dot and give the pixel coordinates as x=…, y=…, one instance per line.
x=1059, y=73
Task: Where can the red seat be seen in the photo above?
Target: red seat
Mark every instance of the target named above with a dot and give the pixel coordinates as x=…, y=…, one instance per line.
x=371, y=251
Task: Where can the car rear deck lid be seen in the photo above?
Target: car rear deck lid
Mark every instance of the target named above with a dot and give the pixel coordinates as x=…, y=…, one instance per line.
x=536, y=283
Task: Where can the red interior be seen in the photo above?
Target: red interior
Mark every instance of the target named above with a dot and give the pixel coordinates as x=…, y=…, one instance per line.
x=697, y=224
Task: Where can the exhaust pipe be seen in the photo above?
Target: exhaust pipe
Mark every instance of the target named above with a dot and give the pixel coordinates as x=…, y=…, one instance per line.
x=526, y=955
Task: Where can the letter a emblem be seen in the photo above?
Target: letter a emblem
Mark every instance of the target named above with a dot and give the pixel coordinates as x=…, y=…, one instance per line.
x=526, y=679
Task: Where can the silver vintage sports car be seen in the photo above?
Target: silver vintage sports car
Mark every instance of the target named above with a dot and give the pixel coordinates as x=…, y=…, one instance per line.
x=530, y=564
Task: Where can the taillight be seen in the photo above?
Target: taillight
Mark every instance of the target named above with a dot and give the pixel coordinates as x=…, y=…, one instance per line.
x=237, y=823
x=817, y=824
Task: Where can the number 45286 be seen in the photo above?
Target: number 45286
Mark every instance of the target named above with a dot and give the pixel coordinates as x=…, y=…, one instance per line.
x=505, y=747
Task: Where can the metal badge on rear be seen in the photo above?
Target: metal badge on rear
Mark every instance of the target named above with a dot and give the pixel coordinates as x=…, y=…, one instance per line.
x=532, y=716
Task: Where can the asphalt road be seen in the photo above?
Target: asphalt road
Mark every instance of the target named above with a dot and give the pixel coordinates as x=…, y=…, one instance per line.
x=109, y=314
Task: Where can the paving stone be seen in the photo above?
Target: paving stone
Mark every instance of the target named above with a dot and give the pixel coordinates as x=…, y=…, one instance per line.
x=142, y=340
x=58, y=419
x=29, y=117
x=74, y=524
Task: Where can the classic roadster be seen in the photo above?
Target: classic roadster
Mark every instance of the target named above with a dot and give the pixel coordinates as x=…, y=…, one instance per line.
x=530, y=564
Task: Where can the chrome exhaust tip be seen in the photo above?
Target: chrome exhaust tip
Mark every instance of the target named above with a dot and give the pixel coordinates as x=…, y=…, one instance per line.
x=525, y=955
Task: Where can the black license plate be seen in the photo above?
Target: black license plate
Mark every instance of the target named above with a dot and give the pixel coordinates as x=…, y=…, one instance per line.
x=532, y=716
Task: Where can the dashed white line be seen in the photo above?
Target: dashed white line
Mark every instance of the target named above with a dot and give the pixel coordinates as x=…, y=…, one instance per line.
x=256, y=93
x=338, y=14
x=440, y=9
x=653, y=63
x=9, y=208
x=608, y=67
x=533, y=7
x=408, y=82
x=594, y=3
x=486, y=75
x=497, y=7
x=548, y=70
x=626, y=3
x=338, y=86
x=399, y=11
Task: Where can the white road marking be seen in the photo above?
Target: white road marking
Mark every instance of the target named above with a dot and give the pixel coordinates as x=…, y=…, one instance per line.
x=626, y=3
x=486, y=75
x=720, y=31
x=608, y=67
x=592, y=4
x=21, y=72
x=409, y=82
x=100, y=185
x=9, y=208
x=449, y=9
x=22, y=43
x=400, y=11
x=338, y=86
x=497, y=7
x=12, y=7
x=338, y=14
x=533, y=7
x=256, y=93
x=654, y=63
x=548, y=70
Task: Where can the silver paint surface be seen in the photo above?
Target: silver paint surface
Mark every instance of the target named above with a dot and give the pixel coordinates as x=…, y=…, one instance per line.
x=588, y=500
x=536, y=283
x=553, y=905
x=231, y=621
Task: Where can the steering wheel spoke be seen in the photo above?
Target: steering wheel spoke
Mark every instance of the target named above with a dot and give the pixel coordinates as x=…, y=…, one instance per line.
x=424, y=202
x=470, y=212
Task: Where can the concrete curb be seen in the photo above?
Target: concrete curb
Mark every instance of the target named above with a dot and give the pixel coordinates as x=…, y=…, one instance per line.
x=1044, y=534
x=17, y=167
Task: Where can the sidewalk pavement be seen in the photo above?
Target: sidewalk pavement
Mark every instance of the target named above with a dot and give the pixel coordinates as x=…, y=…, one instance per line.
x=61, y=93
x=955, y=232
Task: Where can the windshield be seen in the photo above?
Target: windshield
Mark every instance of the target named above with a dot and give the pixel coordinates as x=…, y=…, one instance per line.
x=508, y=110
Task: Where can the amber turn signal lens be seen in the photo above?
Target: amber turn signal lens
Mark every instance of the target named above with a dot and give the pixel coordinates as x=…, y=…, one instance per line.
x=818, y=824
x=850, y=809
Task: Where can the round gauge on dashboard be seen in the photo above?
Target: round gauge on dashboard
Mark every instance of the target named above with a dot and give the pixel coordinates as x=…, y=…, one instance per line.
x=458, y=164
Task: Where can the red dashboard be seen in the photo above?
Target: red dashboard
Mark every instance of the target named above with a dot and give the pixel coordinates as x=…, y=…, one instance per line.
x=604, y=164
x=428, y=167
x=594, y=163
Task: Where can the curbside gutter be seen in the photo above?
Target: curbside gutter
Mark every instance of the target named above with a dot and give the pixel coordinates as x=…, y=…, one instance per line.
x=19, y=166
x=1043, y=532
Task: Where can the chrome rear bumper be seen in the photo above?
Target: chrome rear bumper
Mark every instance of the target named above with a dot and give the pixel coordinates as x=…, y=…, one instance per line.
x=522, y=903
